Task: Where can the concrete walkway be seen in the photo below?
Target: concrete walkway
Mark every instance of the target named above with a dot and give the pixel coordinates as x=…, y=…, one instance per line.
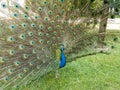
x=113, y=24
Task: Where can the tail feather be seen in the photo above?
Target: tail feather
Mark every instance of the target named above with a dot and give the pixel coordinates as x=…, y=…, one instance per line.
x=30, y=35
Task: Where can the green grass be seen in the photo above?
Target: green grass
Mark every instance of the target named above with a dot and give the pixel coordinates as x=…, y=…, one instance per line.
x=95, y=72
x=117, y=16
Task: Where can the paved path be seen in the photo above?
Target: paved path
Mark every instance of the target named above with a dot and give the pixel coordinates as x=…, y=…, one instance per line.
x=113, y=24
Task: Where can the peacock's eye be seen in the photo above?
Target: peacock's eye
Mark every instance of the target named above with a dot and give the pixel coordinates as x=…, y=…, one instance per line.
x=46, y=19
x=41, y=27
x=50, y=28
x=12, y=52
x=21, y=47
x=25, y=16
x=22, y=36
x=58, y=27
x=39, y=57
x=64, y=22
x=25, y=56
x=15, y=15
x=34, y=51
x=41, y=41
x=36, y=17
x=52, y=22
x=20, y=76
x=10, y=71
x=40, y=9
x=6, y=78
x=30, y=34
x=48, y=42
x=43, y=49
x=62, y=11
x=55, y=6
x=17, y=63
x=40, y=34
x=62, y=0
x=32, y=42
x=50, y=12
x=10, y=39
x=12, y=27
x=2, y=59
x=25, y=70
x=72, y=7
x=33, y=25
x=45, y=2
x=31, y=63
x=54, y=32
x=24, y=25
x=58, y=16
x=27, y=8
x=17, y=6
x=4, y=5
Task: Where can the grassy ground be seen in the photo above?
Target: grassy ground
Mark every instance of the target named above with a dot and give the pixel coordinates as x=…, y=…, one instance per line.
x=96, y=72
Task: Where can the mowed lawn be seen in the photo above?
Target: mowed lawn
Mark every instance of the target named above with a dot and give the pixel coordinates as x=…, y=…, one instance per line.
x=95, y=72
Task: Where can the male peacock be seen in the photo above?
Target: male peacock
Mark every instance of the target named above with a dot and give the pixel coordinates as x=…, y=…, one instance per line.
x=63, y=58
x=30, y=36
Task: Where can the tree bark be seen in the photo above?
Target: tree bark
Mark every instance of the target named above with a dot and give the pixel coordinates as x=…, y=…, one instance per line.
x=103, y=23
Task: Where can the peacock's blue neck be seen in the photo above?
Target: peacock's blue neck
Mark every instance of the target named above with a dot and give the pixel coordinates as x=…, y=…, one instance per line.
x=63, y=59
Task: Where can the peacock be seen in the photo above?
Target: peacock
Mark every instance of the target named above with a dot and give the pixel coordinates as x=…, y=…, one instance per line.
x=36, y=37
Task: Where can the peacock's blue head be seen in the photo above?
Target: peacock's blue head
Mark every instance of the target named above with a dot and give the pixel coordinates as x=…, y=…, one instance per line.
x=62, y=48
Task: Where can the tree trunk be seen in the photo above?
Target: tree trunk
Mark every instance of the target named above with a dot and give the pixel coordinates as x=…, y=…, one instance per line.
x=103, y=24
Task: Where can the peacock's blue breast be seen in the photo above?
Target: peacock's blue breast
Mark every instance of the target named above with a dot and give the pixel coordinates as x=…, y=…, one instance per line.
x=63, y=60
